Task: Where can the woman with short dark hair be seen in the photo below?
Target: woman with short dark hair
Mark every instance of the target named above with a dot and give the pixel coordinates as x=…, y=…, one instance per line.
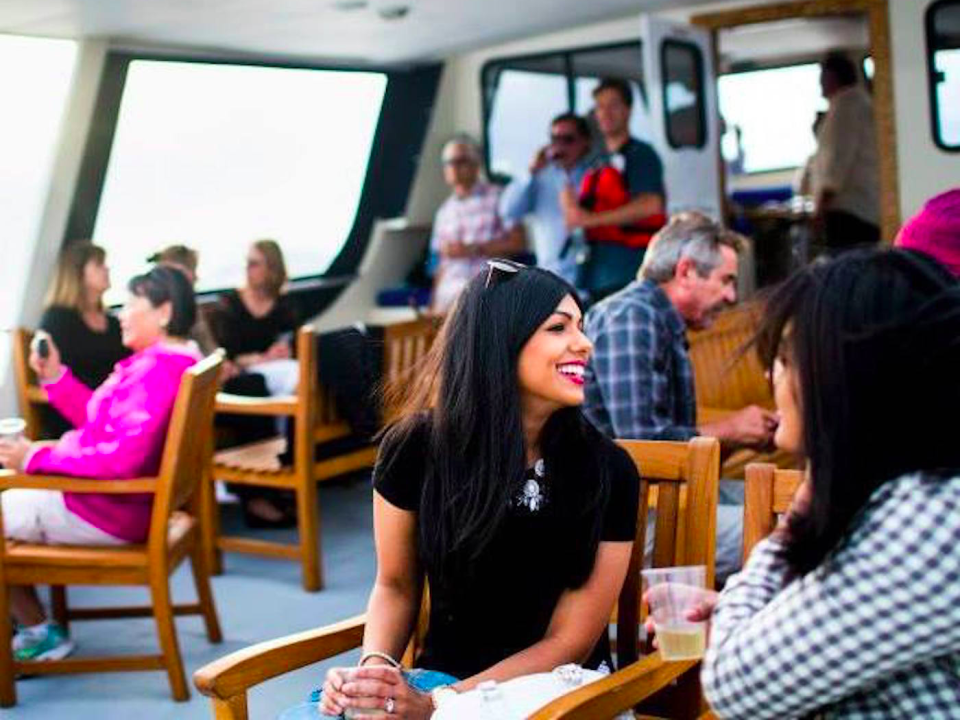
x=849, y=608
x=120, y=432
x=495, y=490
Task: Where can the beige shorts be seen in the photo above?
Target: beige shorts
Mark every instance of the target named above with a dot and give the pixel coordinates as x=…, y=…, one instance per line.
x=42, y=516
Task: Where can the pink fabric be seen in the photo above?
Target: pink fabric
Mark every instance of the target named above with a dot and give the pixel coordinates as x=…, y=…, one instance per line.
x=935, y=230
x=121, y=429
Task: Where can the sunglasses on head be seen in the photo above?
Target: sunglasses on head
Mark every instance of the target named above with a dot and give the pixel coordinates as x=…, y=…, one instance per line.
x=496, y=266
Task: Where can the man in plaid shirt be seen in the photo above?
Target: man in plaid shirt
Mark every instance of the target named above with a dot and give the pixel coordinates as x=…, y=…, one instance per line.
x=467, y=229
x=639, y=381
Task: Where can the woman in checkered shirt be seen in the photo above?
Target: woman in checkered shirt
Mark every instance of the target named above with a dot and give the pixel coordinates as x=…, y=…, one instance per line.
x=852, y=607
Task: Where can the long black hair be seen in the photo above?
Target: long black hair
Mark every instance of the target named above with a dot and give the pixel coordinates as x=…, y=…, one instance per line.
x=874, y=338
x=470, y=393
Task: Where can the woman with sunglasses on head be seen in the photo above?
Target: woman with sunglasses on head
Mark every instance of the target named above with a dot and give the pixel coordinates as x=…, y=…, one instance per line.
x=494, y=489
x=849, y=608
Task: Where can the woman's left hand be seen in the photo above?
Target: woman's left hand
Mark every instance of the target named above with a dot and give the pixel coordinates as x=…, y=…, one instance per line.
x=13, y=453
x=372, y=686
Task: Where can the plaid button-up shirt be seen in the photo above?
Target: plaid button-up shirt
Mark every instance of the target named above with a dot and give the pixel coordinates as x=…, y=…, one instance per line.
x=873, y=632
x=639, y=382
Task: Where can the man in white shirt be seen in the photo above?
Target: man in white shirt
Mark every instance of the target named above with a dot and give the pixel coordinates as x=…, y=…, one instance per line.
x=846, y=164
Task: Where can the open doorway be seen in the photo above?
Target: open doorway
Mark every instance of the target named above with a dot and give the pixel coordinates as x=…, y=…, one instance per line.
x=769, y=88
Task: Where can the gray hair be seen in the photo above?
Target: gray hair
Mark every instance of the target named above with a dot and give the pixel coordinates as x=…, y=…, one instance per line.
x=688, y=235
x=468, y=141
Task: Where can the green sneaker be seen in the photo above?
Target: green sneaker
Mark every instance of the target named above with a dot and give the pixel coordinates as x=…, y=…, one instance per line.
x=43, y=642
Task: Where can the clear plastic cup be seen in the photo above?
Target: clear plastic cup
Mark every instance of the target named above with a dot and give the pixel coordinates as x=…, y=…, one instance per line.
x=673, y=594
x=12, y=429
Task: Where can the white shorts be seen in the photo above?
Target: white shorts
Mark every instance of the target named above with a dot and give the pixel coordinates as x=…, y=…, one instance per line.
x=42, y=516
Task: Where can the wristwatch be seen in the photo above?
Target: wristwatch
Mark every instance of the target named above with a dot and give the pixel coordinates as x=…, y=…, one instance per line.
x=441, y=694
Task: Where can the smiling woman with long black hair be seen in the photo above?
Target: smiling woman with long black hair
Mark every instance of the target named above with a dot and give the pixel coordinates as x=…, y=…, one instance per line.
x=493, y=486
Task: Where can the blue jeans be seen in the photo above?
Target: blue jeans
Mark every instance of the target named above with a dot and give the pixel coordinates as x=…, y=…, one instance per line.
x=418, y=679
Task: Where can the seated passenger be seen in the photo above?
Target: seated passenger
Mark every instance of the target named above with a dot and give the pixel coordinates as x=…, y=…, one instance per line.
x=848, y=610
x=88, y=337
x=467, y=228
x=120, y=432
x=255, y=325
x=935, y=230
x=640, y=381
x=184, y=259
x=495, y=490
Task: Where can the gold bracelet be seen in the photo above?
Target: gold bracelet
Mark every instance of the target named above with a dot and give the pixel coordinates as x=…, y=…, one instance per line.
x=377, y=654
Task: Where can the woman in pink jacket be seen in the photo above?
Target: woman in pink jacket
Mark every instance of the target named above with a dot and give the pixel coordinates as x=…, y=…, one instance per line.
x=120, y=433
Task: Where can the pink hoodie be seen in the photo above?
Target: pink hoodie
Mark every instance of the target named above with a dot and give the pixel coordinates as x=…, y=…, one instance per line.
x=121, y=429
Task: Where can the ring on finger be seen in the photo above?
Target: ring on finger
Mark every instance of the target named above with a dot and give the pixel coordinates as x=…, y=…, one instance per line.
x=390, y=705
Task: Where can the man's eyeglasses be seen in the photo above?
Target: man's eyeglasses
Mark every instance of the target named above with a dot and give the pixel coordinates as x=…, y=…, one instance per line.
x=563, y=139
x=497, y=265
x=458, y=161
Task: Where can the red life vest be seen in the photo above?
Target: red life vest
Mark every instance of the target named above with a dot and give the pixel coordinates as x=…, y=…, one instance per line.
x=605, y=188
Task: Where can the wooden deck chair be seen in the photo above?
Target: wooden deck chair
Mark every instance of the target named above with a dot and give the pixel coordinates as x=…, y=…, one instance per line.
x=31, y=397
x=686, y=535
x=316, y=420
x=174, y=536
x=727, y=380
x=768, y=493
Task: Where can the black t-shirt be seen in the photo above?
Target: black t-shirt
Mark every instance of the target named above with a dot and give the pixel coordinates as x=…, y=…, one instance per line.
x=240, y=333
x=641, y=167
x=89, y=354
x=518, y=579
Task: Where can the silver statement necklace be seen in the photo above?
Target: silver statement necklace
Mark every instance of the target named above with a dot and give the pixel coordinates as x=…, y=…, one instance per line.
x=531, y=494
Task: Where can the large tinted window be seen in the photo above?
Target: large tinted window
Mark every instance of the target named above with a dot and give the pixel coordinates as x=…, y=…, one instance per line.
x=34, y=85
x=523, y=94
x=215, y=156
x=943, y=57
x=770, y=114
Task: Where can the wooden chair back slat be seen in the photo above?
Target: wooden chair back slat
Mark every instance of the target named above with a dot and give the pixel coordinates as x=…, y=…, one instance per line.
x=768, y=493
x=725, y=378
x=686, y=477
x=29, y=394
x=405, y=347
x=668, y=511
x=188, y=445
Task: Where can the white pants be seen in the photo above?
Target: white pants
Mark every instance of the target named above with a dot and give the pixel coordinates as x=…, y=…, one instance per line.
x=42, y=516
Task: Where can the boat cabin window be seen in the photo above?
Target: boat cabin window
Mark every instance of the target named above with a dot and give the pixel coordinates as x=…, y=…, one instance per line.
x=683, y=103
x=769, y=116
x=943, y=59
x=523, y=94
x=215, y=155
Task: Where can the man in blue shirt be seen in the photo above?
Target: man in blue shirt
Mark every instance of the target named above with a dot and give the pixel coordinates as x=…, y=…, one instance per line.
x=556, y=166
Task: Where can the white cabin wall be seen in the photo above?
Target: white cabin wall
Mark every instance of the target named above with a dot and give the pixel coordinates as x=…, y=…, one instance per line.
x=924, y=169
x=74, y=128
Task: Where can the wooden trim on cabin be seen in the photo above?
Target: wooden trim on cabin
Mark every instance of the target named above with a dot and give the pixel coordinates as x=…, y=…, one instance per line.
x=878, y=19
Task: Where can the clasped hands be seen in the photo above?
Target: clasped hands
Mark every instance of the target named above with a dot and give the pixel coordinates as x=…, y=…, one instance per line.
x=367, y=691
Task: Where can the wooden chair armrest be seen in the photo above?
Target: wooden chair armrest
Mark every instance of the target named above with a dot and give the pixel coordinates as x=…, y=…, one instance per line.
x=236, y=673
x=618, y=692
x=242, y=405
x=10, y=480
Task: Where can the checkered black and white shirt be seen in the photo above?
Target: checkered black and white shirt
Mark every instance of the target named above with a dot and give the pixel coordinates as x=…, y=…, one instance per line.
x=873, y=632
x=639, y=382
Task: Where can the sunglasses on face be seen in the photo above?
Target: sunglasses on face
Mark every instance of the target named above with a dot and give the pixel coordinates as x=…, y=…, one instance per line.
x=458, y=161
x=501, y=268
x=563, y=139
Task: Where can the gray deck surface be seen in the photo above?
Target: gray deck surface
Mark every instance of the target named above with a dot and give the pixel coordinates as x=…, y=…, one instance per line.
x=257, y=599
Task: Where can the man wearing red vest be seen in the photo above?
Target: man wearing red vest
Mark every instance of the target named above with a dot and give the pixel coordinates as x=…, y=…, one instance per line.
x=621, y=202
